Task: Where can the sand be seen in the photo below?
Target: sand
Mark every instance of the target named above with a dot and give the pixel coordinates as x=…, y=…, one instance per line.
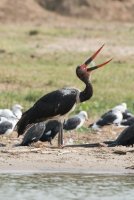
x=42, y=157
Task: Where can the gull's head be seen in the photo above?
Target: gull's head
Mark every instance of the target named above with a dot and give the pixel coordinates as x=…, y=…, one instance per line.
x=83, y=114
x=17, y=107
x=121, y=107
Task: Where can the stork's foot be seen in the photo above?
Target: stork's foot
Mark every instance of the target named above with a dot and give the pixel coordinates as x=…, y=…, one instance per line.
x=61, y=146
x=101, y=144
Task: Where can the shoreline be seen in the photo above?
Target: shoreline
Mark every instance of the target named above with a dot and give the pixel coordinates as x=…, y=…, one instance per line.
x=101, y=161
x=101, y=172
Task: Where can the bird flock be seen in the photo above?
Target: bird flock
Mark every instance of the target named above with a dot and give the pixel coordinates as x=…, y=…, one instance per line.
x=46, y=131
x=49, y=115
x=121, y=117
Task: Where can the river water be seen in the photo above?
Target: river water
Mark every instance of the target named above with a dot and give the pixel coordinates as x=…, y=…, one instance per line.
x=43, y=186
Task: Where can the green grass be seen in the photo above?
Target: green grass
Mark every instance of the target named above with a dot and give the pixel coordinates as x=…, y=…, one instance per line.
x=29, y=69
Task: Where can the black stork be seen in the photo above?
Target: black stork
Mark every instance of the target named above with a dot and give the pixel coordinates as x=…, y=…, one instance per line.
x=42, y=131
x=60, y=102
x=33, y=134
x=126, y=138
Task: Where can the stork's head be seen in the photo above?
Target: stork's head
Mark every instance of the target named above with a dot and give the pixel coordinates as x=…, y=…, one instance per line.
x=83, y=71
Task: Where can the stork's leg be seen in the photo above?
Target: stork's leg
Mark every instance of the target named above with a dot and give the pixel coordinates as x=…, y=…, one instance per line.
x=60, y=136
x=50, y=140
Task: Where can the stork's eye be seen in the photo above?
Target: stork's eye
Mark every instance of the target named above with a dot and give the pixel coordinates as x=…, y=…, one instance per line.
x=83, y=67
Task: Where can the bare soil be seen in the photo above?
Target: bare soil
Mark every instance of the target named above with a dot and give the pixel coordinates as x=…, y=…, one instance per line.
x=42, y=11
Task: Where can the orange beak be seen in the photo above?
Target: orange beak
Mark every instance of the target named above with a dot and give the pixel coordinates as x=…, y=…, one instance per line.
x=89, y=60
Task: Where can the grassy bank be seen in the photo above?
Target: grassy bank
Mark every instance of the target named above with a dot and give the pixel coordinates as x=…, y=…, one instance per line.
x=37, y=59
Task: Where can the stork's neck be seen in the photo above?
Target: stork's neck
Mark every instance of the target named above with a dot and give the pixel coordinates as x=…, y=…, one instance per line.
x=87, y=92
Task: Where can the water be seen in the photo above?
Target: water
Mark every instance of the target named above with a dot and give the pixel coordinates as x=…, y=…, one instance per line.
x=66, y=186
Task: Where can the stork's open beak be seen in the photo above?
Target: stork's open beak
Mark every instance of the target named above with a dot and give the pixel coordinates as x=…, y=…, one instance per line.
x=97, y=66
x=89, y=60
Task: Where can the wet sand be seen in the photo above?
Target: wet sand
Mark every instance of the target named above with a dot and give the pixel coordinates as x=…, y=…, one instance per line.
x=41, y=157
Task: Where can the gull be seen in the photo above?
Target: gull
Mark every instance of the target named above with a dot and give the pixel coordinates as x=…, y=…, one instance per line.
x=15, y=112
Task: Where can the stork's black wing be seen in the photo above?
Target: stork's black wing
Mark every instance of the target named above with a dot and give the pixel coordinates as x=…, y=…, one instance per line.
x=126, y=137
x=51, y=130
x=33, y=134
x=55, y=103
x=58, y=102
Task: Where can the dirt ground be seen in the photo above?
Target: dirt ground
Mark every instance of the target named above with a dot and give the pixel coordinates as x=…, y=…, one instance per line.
x=42, y=157
x=44, y=10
